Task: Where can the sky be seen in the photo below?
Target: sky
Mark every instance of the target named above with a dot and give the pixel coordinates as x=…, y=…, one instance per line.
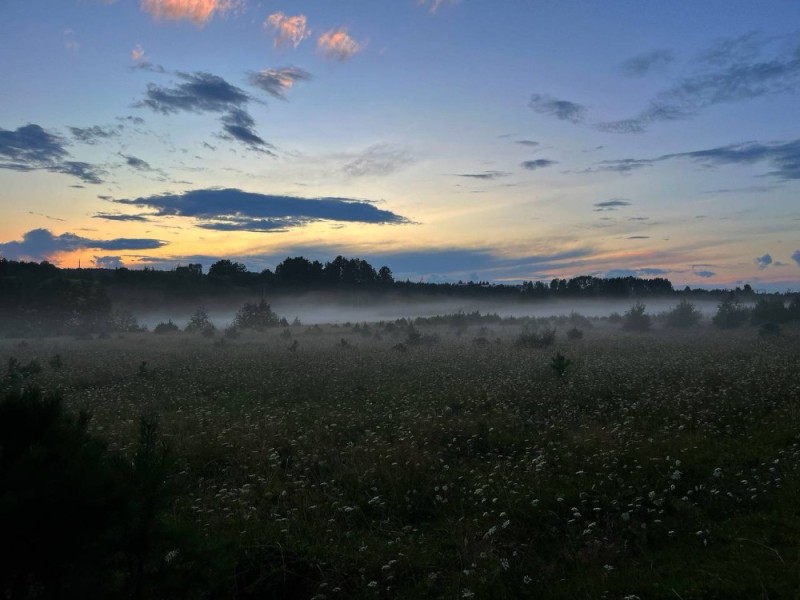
x=450, y=140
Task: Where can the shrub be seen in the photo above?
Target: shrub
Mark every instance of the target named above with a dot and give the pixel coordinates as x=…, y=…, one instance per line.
x=538, y=338
x=199, y=322
x=730, y=314
x=575, y=334
x=769, y=310
x=615, y=317
x=124, y=320
x=578, y=320
x=636, y=319
x=256, y=316
x=683, y=315
x=168, y=327
x=769, y=329
x=560, y=363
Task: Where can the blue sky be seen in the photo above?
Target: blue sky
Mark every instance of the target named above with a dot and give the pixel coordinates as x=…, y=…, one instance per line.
x=450, y=140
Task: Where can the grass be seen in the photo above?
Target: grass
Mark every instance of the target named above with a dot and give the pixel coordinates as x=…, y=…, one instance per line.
x=663, y=466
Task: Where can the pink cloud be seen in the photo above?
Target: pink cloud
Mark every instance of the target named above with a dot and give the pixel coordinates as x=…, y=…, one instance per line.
x=337, y=44
x=292, y=30
x=137, y=53
x=198, y=11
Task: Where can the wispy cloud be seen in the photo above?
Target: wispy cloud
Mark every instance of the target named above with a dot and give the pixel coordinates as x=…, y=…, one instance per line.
x=435, y=5
x=612, y=204
x=94, y=134
x=563, y=110
x=70, y=43
x=276, y=82
x=528, y=143
x=539, y=163
x=197, y=11
x=488, y=175
x=235, y=209
x=763, y=261
x=644, y=64
x=137, y=54
x=288, y=30
x=198, y=92
x=731, y=70
x=121, y=217
x=202, y=92
x=796, y=257
x=239, y=125
x=378, y=159
x=136, y=163
x=31, y=148
x=337, y=44
x=41, y=244
x=783, y=158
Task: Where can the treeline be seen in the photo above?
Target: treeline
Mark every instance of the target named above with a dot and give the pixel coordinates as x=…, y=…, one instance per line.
x=42, y=297
x=29, y=281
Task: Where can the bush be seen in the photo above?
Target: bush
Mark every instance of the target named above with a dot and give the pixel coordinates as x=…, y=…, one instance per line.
x=769, y=329
x=770, y=310
x=560, y=363
x=540, y=338
x=168, y=327
x=124, y=320
x=683, y=315
x=199, y=322
x=256, y=316
x=578, y=320
x=636, y=319
x=730, y=314
x=575, y=334
x=79, y=521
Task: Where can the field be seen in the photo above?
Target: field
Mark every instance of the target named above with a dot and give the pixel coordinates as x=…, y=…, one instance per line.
x=447, y=461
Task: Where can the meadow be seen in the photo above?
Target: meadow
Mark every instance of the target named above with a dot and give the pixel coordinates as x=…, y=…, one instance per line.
x=446, y=459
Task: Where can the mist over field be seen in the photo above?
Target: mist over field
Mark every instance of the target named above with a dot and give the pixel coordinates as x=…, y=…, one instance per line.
x=319, y=309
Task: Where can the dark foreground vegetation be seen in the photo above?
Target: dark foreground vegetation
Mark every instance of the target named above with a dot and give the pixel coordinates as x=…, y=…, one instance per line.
x=463, y=456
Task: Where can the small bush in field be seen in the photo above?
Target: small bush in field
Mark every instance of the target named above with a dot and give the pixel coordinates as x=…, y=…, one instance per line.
x=574, y=334
x=770, y=310
x=560, y=363
x=636, y=319
x=769, y=329
x=256, y=316
x=200, y=323
x=683, y=315
x=540, y=338
x=730, y=314
x=168, y=327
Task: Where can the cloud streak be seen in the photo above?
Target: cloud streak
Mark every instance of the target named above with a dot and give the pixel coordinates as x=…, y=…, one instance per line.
x=539, y=163
x=276, y=82
x=378, y=159
x=203, y=92
x=41, y=244
x=563, y=110
x=486, y=175
x=31, y=148
x=782, y=157
x=236, y=210
x=644, y=64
